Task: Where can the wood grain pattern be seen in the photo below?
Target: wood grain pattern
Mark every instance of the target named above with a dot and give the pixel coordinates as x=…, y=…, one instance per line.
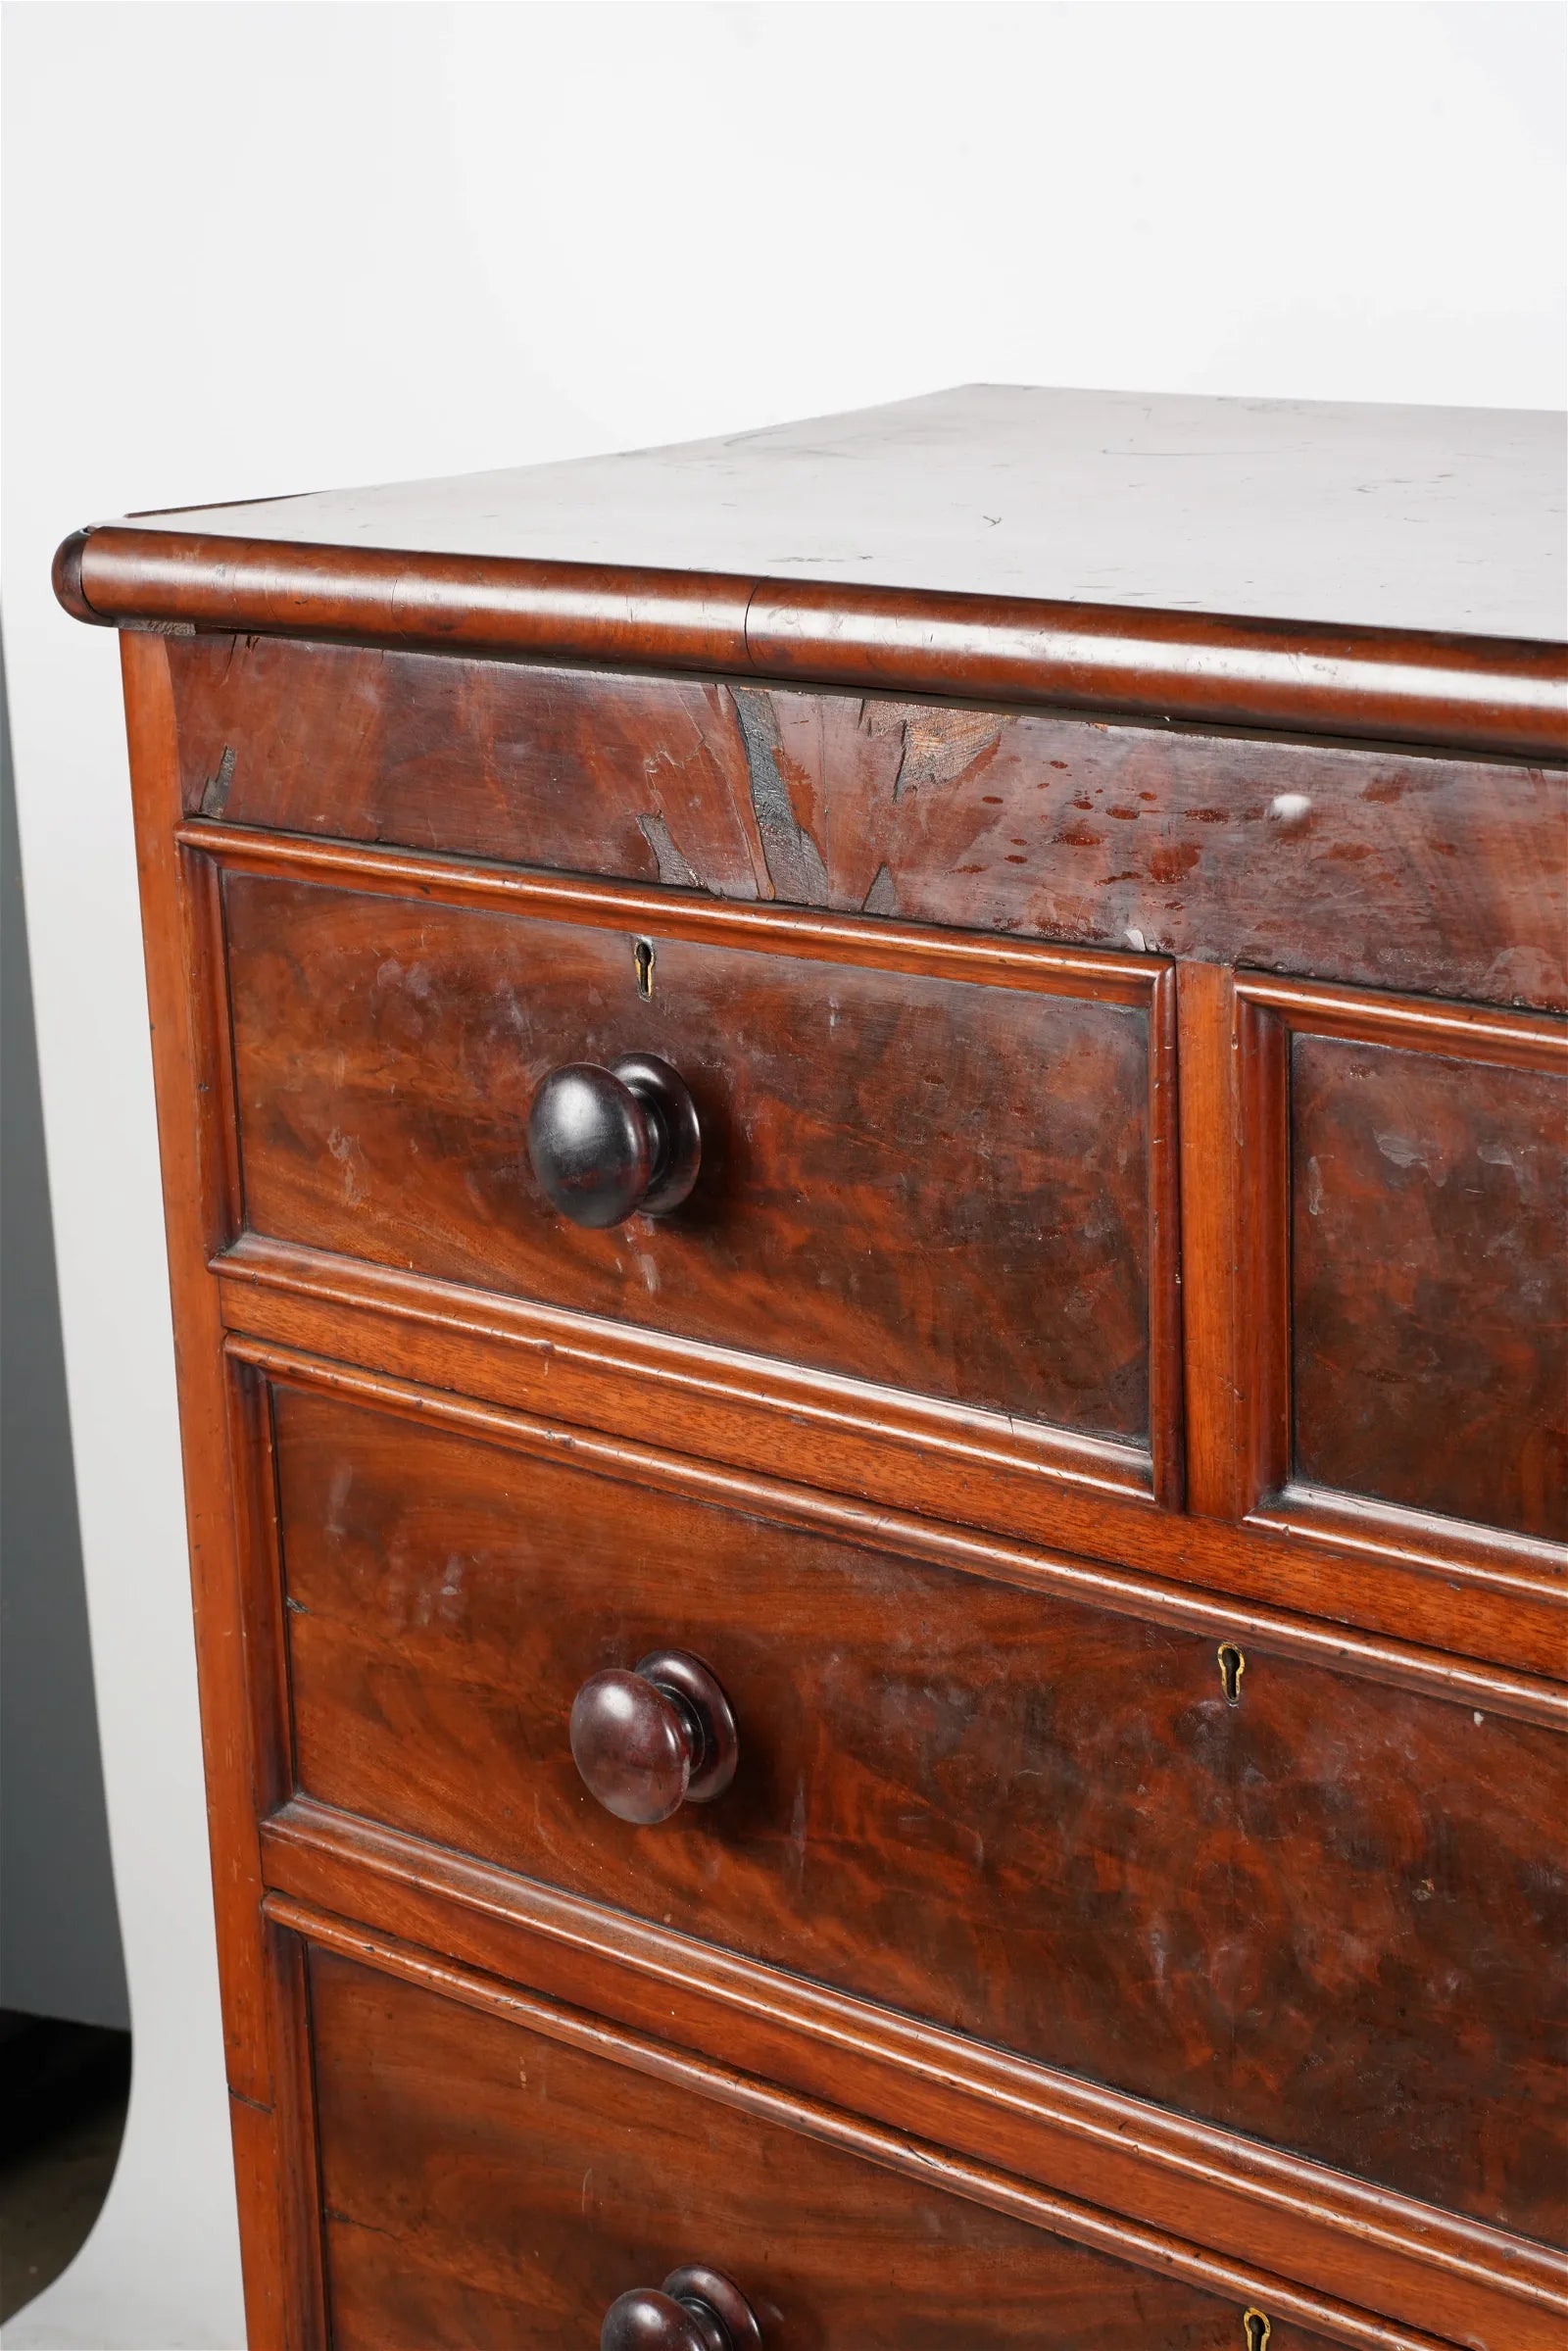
x=1430, y=1256
x=1234, y=2200
x=935, y=1186
x=1346, y=1272
x=1042, y=1826
x=484, y=2181
x=1375, y=866
x=237, y=1659
x=967, y=1485
x=1522, y=1697
x=1357, y=570
x=1419, y=518
x=1497, y=698
x=1094, y=1939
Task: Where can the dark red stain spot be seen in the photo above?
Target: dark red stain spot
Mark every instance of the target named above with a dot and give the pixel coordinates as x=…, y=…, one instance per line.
x=1061, y=763
x=1076, y=836
x=1169, y=865
x=1384, y=788
x=1082, y=803
x=1211, y=815
x=1018, y=861
x=991, y=799
x=1125, y=815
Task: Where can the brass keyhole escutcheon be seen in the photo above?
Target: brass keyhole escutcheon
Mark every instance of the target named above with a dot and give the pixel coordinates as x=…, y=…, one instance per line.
x=642, y=954
x=1255, y=2330
x=1232, y=1666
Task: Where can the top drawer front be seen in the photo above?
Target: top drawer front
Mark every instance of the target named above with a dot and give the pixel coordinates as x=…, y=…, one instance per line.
x=908, y=1179
x=1372, y=866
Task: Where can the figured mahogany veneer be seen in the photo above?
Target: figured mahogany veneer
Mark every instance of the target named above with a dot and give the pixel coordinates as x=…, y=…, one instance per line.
x=1430, y=1287
x=1398, y=1352
x=1288, y=564
x=905, y=1177
x=1051, y=1828
x=1327, y=859
x=1075, y=1485
x=499, y=2177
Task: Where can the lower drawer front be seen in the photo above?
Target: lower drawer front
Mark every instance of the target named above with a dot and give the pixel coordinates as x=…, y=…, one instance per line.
x=487, y=2186
x=1327, y=1914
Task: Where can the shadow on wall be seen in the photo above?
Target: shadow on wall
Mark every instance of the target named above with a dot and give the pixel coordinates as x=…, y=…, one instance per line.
x=64, y=2045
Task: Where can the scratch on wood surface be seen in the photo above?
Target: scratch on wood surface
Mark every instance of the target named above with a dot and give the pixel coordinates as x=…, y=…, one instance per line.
x=795, y=865
x=673, y=870
x=216, y=790
x=939, y=746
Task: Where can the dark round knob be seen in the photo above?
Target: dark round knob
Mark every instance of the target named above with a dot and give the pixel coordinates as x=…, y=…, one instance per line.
x=697, y=2310
x=648, y=1741
x=608, y=1144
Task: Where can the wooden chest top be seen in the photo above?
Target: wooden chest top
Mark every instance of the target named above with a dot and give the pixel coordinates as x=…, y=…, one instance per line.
x=1394, y=572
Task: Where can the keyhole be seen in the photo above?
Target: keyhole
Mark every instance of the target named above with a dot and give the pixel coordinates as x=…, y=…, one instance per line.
x=1257, y=2330
x=642, y=954
x=1232, y=1666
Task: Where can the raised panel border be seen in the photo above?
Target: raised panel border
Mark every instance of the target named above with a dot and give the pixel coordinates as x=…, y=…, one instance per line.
x=1235, y=1031
x=1142, y=983
x=1272, y=1011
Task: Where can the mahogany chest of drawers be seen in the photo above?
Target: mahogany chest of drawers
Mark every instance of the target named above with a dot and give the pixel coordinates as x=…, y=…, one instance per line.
x=866, y=1136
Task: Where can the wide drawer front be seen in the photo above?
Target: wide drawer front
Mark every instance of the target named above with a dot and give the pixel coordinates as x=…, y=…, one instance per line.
x=907, y=1178
x=487, y=2185
x=1290, y=1900
x=1370, y=865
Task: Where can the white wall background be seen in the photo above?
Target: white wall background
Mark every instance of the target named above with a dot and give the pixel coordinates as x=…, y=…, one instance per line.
x=258, y=248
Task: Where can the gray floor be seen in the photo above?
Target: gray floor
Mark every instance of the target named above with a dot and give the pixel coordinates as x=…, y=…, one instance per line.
x=65, y=2091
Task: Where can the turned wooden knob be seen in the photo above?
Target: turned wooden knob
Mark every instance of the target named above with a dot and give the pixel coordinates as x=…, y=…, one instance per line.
x=695, y=2310
x=608, y=1144
x=648, y=1741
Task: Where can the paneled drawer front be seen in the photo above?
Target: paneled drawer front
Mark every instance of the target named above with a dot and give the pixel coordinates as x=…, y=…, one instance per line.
x=1410, y=1260
x=1292, y=1901
x=909, y=1179
x=487, y=2185
x=1430, y=1256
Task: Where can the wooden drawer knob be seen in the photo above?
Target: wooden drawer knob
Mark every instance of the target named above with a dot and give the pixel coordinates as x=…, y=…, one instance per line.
x=695, y=2310
x=608, y=1144
x=648, y=1741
